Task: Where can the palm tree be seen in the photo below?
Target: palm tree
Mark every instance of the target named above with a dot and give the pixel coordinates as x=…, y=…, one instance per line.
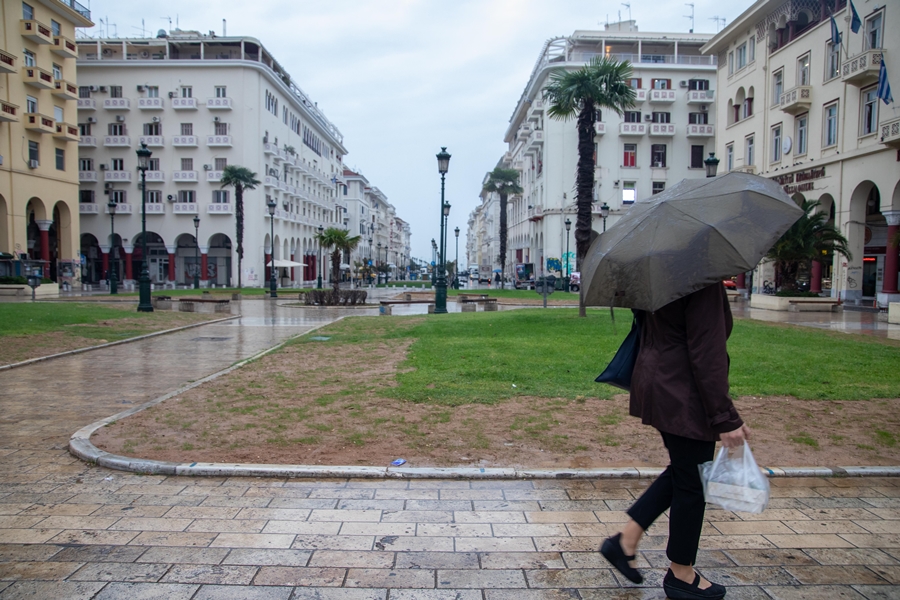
x=807, y=240
x=506, y=183
x=602, y=83
x=241, y=178
x=340, y=240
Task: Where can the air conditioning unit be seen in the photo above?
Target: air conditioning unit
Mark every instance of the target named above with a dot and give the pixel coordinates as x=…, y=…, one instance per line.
x=682, y=83
x=648, y=117
x=92, y=120
x=155, y=119
x=120, y=118
x=107, y=52
x=170, y=198
x=107, y=185
x=93, y=88
x=207, y=167
x=704, y=108
x=104, y=166
x=216, y=119
x=103, y=88
x=33, y=164
x=171, y=94
x=141, y=88
x=285, y=205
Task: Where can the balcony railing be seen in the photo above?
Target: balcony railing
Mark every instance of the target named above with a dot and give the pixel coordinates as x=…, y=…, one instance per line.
x=87, y=141
x=64, y=89
x=155, y=208
x=271, y=181
x=155, y=176
x=117, y=104
x=184, y=176
x=185, y=208
x=151, y=103
x=662, y=95
x=87, y=104
x=697, y=130
x=38, y=77
x=662, y=129
x=214, y=176
x=120, y=176
x=88, y=208
x=36, y=31
x=218, y=103
x=7, y=62
x=9, y=112
x=536, y=140
x=270, y=148
x=863, y=69
x=640, y=96
x=184, y=103
x=153, y=141
x=701, y=96
x=65, y=47
x=65, y=131
x=218, y=141
x=890, y=132
x=117, y=141
x=632, y=128
x=77, y=7
x=219, y=209
x=121, y=209
x=40, y=123
x=184, y=140
x=796, y=100
x=536, y=213
x=87, y=176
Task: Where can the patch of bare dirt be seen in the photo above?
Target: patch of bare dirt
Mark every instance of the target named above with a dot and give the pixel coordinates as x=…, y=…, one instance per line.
x=327, y=404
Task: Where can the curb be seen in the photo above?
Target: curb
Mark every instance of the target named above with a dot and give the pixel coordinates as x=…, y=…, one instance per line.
x=31, y=361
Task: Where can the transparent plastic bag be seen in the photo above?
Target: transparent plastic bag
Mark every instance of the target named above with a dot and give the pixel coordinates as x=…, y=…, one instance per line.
x=734, y=481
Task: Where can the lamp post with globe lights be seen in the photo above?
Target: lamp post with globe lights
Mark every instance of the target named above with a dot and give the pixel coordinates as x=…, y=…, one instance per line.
x=440, y=295
x=711, y=164
x=568, y=268
x=456, y=270
x=319, y=261
x=113, y=282
x=144, y=304
x=196, y=252
x=273, y=282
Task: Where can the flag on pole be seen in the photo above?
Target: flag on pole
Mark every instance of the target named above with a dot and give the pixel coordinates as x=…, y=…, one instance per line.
x=835, y=33
x=855, y=22
x=884, y=86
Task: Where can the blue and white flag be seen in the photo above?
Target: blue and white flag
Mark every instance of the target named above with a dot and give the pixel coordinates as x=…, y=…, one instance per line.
x=835, y=33
x=855, y=22
x=884, y=86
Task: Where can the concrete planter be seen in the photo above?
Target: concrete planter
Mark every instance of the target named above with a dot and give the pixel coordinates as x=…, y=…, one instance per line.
x=784, y=304
x=21, y=290
x=894, y=313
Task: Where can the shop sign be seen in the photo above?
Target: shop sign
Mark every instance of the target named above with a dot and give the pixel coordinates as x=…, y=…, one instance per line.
x=801, y=181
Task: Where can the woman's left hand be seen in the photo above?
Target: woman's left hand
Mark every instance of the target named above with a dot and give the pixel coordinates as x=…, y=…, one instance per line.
x=733, y=439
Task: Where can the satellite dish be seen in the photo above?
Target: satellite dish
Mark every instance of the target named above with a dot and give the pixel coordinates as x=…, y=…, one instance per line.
x=161, y=33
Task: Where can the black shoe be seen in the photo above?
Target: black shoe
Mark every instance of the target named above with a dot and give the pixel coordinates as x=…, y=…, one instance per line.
x=676, y=589
x=612, y=551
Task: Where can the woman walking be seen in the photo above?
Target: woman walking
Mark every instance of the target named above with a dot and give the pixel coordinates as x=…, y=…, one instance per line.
x=680, y=387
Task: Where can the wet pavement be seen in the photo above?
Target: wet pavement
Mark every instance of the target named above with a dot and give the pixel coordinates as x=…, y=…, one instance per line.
x=72, y=530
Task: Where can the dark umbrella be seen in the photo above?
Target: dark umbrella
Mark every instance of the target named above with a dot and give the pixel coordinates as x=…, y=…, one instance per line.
x=694, y=234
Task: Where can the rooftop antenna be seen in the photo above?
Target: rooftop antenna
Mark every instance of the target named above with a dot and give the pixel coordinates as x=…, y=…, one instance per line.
x=628, y=6
x=142, y=28
x=169, y=19
x=718, y=20
x=691, y=16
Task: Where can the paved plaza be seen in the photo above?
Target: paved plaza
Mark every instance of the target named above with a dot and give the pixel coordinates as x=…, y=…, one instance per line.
x=72, y=530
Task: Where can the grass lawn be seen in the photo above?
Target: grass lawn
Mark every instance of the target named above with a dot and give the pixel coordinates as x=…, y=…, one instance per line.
x=521, y=294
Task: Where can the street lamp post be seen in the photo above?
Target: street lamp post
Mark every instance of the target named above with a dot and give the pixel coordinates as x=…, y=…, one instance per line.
x=712, y=165
x=456, y=270
x=568, y=269
x=387, y=268
x=113, y=283
x=273, y=282
x=433, y=262
x=196, y=252
x=319, y=261
x=604, y=212
x=440, y=295
x=144, y=305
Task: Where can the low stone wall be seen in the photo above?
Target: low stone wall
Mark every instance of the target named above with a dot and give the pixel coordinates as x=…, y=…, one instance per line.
x=894, y=313
x=21, y=290
x=783, y=303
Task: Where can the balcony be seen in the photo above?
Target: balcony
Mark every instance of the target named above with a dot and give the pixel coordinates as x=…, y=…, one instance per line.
x=117, y=141
x=184, y=103
x=87, y=104
x=269, y=148
x=155, y=176
x=87, y=141
x=65, y=131
x=153, y=141
x=185, y=208
x=218, y=141
x=701, y=96
x=632, y=128
x=890, y=132
x=662, y=96
x=219, y=209
x=218, y=103
x=518, y=165
x=535, y=141
x=36, y=31
x=9, y=112
x=599, y=128
x=88, y=208
x=697, y=130
x=38, y=77
x=185, y=176
x=184, y=141
x=524, y=132
x=862, y=69
x=796, y=100
x=536, y=213
x=662, y=129
x=40, y=123
x=214, y=176
x=640, y=96
x=64, y=89
x=64, y=47
x=155, y=208
x=117, y=104
x=121, y=209
x=87, y=176
x=117, y=176
x=537, y=106
x=151, y=104
x=270, y=181
x=7, y=62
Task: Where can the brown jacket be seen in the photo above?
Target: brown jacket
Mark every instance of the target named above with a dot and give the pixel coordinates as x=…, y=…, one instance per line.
x=680, y=380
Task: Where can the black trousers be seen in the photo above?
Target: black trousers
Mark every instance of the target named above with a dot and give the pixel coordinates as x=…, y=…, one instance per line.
x=678, y=488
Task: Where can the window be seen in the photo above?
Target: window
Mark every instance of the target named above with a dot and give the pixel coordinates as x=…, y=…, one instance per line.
x=221, y=91
x=802, y=134
x=84, y=91
x=630, y=156
x=115, y=91
x=629, y=192
x=658, y=155
x=777, y=87
x=220, y=197
x=187, y=129
x=221, y=128
x=54, y=26
x=661, y=117
x=153, y=164
x=31, y=105
x=86, y=196
x=698, y=84
x=118, y=164
x=154, y=196
x=187, y=164
x=700, y=118
x=116, y=129
x=658, y=186
x=869, y=111
x=60, y=159
x=118, y=196
x=749, y=150
x=832, y=61
x=697, y=157
x=27, y=12
x=57, y=71
x=740, y=56
x=731, y=63
x=873, y=31
x=729, y=157
x=662, y=84
x=221, y=163
x=186, y=196
x=85, y=164
x=58, y=114
x=803, y=70
x=152, y=129
x=751, y=49
x=635, y=83
x=84, y=129
x=776, y=143
x=831, y=125
x=187, y=91
x=153, y=91
x=28, y=57
x=632, y=116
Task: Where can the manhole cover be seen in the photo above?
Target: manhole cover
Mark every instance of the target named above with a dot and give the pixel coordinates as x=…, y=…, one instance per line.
x=319, y=338
x=210, y=339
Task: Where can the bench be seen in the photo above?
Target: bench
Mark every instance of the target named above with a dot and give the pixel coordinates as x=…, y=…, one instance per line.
x=464, y=299
x=797, y=305
x=189, y=304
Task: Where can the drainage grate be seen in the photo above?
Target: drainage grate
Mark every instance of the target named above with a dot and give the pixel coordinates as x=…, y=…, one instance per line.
x=210, y=339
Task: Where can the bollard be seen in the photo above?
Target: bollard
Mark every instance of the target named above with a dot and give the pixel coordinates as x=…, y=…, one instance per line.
x=431, y=309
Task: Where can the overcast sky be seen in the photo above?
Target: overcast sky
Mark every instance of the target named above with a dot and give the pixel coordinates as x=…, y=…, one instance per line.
x=401, y=78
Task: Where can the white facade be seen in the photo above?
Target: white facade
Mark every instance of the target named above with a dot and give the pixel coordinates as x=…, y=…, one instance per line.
x=800, y=111
x=200, y=103
x=661, y=141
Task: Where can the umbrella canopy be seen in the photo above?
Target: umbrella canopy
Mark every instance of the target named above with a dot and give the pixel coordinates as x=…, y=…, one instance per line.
x=694, y=234
x=285, y=263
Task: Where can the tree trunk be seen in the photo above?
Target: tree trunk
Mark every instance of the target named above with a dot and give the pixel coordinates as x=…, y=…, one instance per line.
x=336, y=270
x=584, y=190
x=239, y=219
x=502, y=240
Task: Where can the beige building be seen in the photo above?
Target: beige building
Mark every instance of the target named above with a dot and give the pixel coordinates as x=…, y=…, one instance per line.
x=796, y=108
x=39, y=137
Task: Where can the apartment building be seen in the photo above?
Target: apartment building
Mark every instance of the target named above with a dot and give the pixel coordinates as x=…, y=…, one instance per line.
x=805, y=111
x=38, y=138
x=483, y=237
x=200, y=103
x=663, y=139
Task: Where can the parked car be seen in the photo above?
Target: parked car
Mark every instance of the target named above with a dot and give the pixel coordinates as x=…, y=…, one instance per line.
x=575, y=282
x=730, y=284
